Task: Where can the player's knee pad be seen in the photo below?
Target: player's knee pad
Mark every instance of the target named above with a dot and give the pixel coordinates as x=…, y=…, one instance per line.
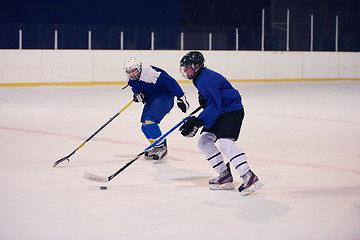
x=228, y=147
x=205, y=140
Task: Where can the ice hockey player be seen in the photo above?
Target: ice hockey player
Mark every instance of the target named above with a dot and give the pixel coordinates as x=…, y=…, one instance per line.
x=156, y=89
x=221, y=120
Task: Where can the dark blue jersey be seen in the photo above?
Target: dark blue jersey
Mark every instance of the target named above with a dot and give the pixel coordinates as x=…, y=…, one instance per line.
x=155, y=82
x=220, y=95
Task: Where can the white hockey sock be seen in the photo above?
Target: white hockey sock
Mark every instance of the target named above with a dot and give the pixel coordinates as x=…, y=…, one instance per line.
x=211, y=152
x=236, y=156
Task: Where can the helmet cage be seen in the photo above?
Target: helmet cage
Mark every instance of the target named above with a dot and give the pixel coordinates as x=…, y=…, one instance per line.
x=195, y=60
x=131, y=64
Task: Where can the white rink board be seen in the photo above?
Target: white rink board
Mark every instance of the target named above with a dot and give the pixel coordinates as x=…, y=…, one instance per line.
x=67, y=66
x=57, y=66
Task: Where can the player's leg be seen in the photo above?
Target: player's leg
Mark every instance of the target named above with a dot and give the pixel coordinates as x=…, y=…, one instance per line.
x=154, y=133
x=214, y=156
x=228, y=132
x=156, y=111
x=144, y=127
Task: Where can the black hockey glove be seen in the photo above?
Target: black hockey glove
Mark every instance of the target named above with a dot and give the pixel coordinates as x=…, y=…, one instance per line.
x=202, y=101
x=190, y=127
x=183, y=103
x=138, y=97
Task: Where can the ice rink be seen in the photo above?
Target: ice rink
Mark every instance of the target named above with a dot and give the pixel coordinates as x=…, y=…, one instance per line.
x=301, y=138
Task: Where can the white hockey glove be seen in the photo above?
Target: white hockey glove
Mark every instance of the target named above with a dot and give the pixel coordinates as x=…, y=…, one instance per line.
x=183, y=103
x=191, y=126
x=138, y=97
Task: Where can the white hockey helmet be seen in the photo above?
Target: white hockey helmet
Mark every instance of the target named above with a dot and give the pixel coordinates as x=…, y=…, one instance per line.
x=130, y=65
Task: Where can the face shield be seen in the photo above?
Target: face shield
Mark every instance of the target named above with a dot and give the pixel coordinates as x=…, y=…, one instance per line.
x=133, y=68
x=187, y=72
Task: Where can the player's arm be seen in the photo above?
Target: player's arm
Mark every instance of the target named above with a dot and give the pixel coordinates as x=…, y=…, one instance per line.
x=212, y=97
x=173, y=86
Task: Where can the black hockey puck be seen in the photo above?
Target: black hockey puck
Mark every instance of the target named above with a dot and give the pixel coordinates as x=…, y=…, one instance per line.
x=103, y=188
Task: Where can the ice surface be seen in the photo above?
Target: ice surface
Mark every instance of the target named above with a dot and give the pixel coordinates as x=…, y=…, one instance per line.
x=302, y=140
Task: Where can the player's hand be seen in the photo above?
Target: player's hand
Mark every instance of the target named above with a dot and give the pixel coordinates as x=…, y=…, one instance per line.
x=138, y=97
x=183, y=103
x=191, y=126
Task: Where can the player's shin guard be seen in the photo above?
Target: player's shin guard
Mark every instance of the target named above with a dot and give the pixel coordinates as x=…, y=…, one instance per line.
x=211, y=152
x=236, y=155
x=148, y=137
x=152, y=131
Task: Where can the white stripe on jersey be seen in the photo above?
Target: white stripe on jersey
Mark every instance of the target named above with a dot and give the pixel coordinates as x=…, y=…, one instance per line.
x=149, y=75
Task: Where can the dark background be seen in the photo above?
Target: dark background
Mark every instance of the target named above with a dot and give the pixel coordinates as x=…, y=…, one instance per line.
x=167, y=19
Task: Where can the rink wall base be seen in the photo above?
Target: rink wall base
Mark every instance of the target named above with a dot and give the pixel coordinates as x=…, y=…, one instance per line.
x=94, y=67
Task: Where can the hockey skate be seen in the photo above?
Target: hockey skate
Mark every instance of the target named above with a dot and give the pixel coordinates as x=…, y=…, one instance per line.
x=250, y=183
x=156, y=153
x=224, y=181
x=149, y=153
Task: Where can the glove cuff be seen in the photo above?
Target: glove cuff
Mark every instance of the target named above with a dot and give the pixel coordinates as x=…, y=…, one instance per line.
x=199, y=122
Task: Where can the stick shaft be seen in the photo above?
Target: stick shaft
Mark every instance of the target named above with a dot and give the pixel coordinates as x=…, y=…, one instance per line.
x=97, y=178
x=102, y=127
x=93, y=135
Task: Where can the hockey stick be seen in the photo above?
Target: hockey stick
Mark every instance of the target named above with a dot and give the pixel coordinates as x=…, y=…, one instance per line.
x=117, y=114
x=97, y=178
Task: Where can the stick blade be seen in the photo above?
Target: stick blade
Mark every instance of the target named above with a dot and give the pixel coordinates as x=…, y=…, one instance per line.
x=60, y=161
x=95, y=178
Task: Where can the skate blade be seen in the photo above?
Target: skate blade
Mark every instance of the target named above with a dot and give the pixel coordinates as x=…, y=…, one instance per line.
x=148, y=158
x=225, y=186
x=256, y=186
x=157, y=161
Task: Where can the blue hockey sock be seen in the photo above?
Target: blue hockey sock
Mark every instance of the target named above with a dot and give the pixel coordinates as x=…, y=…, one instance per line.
x=152, y=131
x=146, y=133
